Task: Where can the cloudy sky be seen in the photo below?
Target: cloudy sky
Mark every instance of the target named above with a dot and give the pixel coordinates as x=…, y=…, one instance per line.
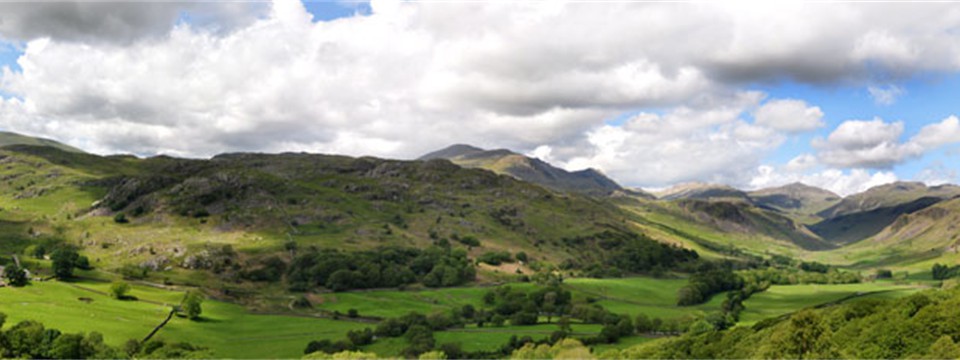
x=839, y=95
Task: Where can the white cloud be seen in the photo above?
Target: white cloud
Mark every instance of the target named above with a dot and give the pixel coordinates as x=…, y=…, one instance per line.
x=885, y=95
x=789, y=115
x=686, y=144
x=416, y=76
x=876, y=143
x=865, y=143
x=936, y=174
x=117, y=21
x=938, y=134
x=841, y=182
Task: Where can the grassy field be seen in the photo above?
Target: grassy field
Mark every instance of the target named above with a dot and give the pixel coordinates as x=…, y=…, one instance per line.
x=228, y=330
x=392, y=303
x=782, y=299
x=472, y=338
x=640, y=295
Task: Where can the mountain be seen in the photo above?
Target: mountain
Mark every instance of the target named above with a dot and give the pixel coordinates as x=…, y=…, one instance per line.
x=167, y=211
x=797, y=200
x=702, y=191
x=529, y=169
x=860, y=216
x=888, y=195
x=9, y=138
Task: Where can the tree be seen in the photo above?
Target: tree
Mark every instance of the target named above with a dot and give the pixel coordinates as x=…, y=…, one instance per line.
x=191, y=304
x=15, y=275
x=944, y=348
x=64, y=261
x=119, y=290
x=643, y=323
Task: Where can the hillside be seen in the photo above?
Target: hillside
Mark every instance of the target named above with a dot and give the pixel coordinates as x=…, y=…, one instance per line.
x=172, y=216
x=529, y=169
x=9, y=138
x=702, y=191
x=887, y=196
x=797, y=200
x=860, y=216
x=914, y=240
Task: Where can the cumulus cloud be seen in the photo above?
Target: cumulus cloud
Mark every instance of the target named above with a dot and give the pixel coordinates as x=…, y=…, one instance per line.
x=116, y=21
x=789, y=115
x=938, y=134
x=840, y=182
x=876, y=143
x=411, y=77
x=686, y=144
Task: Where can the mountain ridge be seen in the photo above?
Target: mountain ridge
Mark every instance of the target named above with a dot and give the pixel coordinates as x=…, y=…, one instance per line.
x=507, y=162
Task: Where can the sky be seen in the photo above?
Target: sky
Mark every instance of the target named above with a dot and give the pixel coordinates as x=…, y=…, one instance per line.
x=843, y=96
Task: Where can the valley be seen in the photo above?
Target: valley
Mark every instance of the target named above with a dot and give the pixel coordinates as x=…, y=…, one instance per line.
x=476, y=253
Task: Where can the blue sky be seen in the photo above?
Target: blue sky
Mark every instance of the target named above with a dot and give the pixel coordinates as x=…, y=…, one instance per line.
x=650, y=94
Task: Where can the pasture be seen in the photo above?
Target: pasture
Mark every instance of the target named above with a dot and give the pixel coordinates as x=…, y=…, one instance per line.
x=227, y=330
x=783, y=299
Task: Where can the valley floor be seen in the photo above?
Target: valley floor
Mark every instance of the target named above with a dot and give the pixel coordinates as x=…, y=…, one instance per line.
x=230, y=331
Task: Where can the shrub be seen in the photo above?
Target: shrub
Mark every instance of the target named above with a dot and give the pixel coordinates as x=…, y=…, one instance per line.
x=119, y=290
x=15, y=275
x=120, y=218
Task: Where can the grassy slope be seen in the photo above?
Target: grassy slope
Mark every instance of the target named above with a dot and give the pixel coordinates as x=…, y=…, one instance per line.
x=9, y=138
x=673, y=220
x=634, y=296
x=914, y=242
x=783, y=299
x=227, y=329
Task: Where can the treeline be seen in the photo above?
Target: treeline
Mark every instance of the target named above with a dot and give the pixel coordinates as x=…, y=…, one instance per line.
x=624, y=252
x=705, y=283
x=384, y=267
x=793, y=276
x=943, y=272
x=502, y=305
x=920, y=326
x=29, y=339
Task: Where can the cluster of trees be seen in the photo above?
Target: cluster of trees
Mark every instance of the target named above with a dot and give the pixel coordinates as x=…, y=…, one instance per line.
x=707, y=282
x=495, y=257
x=920, y=326
x=15, y=275
x=524, y=308
x=29, y=339
x=793, y=276
x=943, y=272
x=624, y=252
x=384, y=267
x=416, y=328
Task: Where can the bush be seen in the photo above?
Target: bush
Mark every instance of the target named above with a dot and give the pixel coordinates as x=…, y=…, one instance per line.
x=120, y=218
x=191, y=305
x=15, y=275
x=884, y=274
x=119, y=290
x=64, y=261
x=495, y=258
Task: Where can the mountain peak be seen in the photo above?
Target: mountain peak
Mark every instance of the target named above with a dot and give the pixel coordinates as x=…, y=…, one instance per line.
x=452, y=151
x=507, y=162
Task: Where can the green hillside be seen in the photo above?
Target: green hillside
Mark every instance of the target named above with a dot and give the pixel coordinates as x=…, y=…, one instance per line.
x=9, y=138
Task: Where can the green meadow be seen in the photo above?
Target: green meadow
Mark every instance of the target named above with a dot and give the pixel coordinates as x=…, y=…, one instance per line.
x=783, y=299
x=226, y=329
x=640, y=295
